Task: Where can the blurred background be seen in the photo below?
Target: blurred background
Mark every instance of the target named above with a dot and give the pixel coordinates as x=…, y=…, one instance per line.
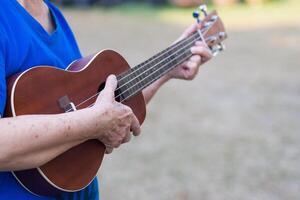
x=231, y=134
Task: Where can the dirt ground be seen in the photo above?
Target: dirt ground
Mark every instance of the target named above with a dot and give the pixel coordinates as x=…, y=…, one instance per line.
x=232, y=134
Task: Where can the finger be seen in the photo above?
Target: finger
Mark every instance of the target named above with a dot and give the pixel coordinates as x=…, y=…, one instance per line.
x=184, y=65
x=204, y=52
x=127, y=135
x=117, y=144
x=200, y=43
x=127, y=138
x=196, y=59
x=135, y=126
x=192, y=65
x=110, y=87
x=109, y=150
x=122, y=135
x=191, y=29
x=192, y=70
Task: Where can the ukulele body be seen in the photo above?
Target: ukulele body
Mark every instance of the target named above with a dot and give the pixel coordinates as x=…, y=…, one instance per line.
x=38, y=91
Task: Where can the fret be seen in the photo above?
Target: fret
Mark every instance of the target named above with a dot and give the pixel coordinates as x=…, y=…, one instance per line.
x=161, y=72
x=164, y=69
x=180, y=44
x=119, y=96
x=124, y=77
x=152, y=69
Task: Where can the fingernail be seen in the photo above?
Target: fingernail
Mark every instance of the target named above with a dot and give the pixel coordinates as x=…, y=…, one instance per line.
x=112, y=77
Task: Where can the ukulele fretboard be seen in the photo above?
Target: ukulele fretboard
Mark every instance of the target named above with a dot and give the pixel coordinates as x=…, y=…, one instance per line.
x=144, y=74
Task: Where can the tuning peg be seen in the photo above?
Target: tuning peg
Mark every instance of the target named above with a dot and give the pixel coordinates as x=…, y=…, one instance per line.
x=214, y=18
x=203, y=8
x=222, y=47
x=217, y=49
x=222, y=35
x=207, y=24
x=196, y=15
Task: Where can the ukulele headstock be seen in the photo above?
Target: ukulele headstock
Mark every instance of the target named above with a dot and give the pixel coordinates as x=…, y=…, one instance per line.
x=212, y=30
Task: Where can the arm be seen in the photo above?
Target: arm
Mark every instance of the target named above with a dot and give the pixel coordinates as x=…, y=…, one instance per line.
x=30, y=141
x=188, y=70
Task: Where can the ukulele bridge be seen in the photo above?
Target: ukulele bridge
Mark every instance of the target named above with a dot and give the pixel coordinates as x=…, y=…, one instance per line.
x=65, y=103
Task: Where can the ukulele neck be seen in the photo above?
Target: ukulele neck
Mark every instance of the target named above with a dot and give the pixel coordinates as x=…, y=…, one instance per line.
x=139, y=77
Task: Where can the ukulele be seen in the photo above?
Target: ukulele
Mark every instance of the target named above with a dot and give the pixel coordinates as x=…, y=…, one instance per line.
x=48, y=90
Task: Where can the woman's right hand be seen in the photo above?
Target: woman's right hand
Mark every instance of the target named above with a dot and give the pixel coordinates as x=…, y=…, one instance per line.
x=116, y=120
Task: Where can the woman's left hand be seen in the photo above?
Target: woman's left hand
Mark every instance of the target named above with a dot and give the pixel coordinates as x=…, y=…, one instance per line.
x=201, y=53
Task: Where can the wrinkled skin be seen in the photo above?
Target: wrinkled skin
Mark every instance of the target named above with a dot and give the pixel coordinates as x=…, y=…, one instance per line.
x=120, y=120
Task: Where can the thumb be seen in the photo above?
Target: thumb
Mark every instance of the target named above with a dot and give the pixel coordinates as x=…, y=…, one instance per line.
x=110, y=87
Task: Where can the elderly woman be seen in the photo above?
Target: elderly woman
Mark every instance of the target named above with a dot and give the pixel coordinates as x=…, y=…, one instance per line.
x=34, y=32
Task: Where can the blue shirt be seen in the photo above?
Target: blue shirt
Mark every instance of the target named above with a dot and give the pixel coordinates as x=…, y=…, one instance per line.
x=23, y=44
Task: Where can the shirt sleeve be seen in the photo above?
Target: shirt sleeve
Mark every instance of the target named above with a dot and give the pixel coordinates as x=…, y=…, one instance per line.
x=2, y=78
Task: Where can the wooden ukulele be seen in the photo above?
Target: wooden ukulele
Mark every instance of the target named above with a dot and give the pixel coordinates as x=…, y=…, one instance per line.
x=48, y=90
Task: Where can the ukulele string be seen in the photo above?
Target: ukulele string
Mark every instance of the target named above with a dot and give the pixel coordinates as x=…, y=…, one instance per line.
x=156, y=78
x=150, y=75
x=172, y=48
x=134, y=93
x=95, y=95
x=141, y=67
x=156, y=64
x=162, y=56
x=178, y=50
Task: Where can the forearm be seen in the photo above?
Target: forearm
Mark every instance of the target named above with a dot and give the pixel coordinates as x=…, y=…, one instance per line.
x=30, y=141
x=151, y=90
